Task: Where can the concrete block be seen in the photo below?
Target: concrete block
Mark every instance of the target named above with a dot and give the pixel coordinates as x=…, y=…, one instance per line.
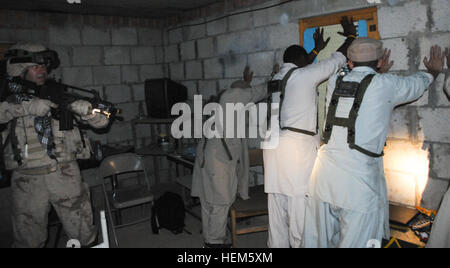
x=216, y=27
x=261, y=63
x=194, y=70
x=29, y=36
x=77, y=76
x=267, y=16
x=159, y=54
x=247, y=41
x=172, y=53
x=205, y=47
x=240, y=22
x=130, y=74
x=402, y=19
x=177, y=71
x=207, y=88
x=441, y=11
x=64, y=36
x=143, y=55
x=195, y=32
x=434, y=192
x=6, y=35
x=399, y=53
x=95, y=36
x=427, y=41
x=150, y=37
x=118, y=93
x=120, y=131
x=213, y=68
x=106, y=75
x=138, y=92
x=345, y=5
x=151, y=72
x=399, y=124
x=281, y=36
x=235, y=65
x=435, y=124
x=129, y=111
x=441, y=160
x=87, y=56
x=187, y=50
x=301, y=9
x=117, y=55
x=176, y=36
x=124, y=36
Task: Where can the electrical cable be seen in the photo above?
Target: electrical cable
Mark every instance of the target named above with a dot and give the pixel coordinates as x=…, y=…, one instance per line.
x=230, y=15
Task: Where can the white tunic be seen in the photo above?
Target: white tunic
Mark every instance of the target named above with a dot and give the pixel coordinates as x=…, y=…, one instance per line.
x=347, y=178
x=288, y=167
x=440, y=234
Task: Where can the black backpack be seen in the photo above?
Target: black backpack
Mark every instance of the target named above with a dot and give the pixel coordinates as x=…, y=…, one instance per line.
x=168, y=212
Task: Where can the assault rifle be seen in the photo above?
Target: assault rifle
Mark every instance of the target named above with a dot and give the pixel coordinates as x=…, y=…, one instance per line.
x=58, y=93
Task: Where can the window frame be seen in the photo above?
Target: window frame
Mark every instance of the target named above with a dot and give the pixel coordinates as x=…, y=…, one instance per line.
x=368, y=14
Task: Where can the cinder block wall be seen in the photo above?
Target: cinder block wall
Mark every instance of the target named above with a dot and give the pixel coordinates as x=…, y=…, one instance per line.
x=208, y=52
x=116, y=54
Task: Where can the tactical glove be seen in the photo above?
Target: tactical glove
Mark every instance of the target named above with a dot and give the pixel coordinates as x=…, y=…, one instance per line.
x=81, y=107
x=38, y=107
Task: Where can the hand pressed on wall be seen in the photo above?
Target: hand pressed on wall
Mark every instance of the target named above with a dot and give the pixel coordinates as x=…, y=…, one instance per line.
x=435, y=65
x=349, y=27
x=319, y=40
x=248, y=76
x=386, y=65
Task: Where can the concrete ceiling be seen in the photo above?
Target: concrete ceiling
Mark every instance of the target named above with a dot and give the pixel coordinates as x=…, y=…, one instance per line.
x=133, y=8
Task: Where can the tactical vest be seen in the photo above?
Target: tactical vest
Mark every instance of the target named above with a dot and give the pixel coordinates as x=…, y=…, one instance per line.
x=281, y=84
x=348, y=90
x=23, y=150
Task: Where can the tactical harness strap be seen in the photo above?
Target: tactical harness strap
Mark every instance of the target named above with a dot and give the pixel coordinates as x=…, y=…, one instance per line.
x=348, y=90
x=283, y=92
x=15, y=142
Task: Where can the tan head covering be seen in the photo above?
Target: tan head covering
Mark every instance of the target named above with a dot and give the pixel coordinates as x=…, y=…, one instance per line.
x=365, y=50
x=18, y=69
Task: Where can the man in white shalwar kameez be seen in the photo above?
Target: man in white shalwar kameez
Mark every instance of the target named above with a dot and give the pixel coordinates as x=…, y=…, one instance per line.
x=440, y=232
x=347, y=202
x=221, y=167
x=288, y=167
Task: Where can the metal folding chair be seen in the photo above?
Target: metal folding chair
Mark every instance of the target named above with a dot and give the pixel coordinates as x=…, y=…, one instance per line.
x=124, y=190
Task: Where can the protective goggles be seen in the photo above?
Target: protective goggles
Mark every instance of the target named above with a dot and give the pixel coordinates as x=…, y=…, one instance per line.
x=49, y=58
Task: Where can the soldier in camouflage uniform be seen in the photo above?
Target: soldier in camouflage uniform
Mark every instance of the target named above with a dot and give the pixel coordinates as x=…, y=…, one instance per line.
x=45, y=171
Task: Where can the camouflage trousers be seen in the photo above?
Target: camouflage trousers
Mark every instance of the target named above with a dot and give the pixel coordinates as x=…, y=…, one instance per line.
x=64, y=190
